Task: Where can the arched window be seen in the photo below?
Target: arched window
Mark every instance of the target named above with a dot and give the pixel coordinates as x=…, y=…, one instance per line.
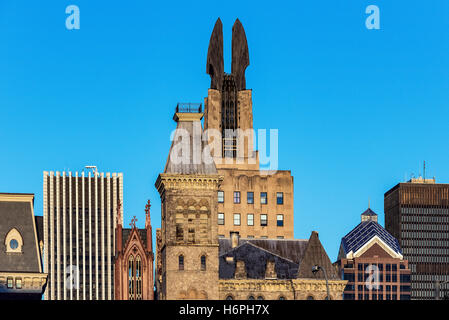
x=229, y=297
x=310, y=298
x=131, y=274
x=203, y=263
x=251, y=297
x=138, y=292
x=181, y=262
x=13, y=241
x=260, y=298
x=281, y=298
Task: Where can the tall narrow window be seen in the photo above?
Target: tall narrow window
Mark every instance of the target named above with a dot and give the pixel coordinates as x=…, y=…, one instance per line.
x=236, y=219
x=280, y=220
x=181, y=262
x=220, y=196
x=138, y=291
x=131, y=278
x=221, y=219
x=203, y=263
x=250, y=197
x=250, y=219
x=263, y=220
x=280, y=198
x=236, y=196
x=263, y=198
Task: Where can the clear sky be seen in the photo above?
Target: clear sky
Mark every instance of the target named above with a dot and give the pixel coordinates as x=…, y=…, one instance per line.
x=357, y=110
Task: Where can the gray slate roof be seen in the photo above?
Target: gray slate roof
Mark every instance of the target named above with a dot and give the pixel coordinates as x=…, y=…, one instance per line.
x=186, y=152
x=293, y=258
x=18, y=215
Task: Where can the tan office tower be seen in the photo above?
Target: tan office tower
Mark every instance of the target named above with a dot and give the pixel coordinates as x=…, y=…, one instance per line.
x=80, y=213
x=256, y=203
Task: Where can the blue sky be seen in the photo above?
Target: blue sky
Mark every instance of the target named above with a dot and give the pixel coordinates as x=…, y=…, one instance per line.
x=357, y=110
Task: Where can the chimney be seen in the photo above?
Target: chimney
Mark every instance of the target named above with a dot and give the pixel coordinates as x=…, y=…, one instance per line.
x=234, y=239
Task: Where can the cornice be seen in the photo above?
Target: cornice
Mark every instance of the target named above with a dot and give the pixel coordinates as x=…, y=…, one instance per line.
x=166, y=181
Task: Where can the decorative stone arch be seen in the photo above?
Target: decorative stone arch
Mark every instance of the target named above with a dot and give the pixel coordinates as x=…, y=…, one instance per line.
x=13, y=237
x=229, y=296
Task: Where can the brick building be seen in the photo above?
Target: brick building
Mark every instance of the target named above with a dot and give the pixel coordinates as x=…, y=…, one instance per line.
x=371, y=260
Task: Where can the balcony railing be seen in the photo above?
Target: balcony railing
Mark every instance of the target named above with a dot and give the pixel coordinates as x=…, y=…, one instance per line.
x=183, y=107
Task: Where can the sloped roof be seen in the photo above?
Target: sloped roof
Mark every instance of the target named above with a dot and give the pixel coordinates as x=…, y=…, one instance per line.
x=255, y=259
x=369, y=212
x=316, y=255
x=292, y=249
x=188, y=151
x=363, y=233
x=19, y=215
x=127, y=232
x=293, y=258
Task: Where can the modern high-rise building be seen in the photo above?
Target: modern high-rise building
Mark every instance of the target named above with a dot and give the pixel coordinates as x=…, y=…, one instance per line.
x=417, y=214
x=80, y=214
x=254, y=202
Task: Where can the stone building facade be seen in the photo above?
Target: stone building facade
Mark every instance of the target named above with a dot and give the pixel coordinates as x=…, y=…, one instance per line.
x=256, y=203
x=188, y=245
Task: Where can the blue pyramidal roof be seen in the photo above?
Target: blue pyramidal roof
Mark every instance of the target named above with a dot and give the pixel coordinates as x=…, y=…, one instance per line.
x=364, y=232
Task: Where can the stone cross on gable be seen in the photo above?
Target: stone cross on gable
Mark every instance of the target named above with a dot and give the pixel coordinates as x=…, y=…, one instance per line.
x=133, y=222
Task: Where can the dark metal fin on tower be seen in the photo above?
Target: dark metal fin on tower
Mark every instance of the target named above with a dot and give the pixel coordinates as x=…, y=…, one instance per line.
x=240, y=55
x=215, y=62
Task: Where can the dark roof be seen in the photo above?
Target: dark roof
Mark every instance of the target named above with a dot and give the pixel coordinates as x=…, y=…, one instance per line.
x=292, y=250
x=293, y=258
x=194, y=162
x=19, y=215
x=126, y=233
x=39, y=228
x=369, y=212
x=363, y=233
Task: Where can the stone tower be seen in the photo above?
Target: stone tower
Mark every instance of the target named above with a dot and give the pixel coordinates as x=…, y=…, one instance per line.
x=228, y=106
x=189, y=232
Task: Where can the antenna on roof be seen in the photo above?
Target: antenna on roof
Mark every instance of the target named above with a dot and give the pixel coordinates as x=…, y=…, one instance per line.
x=424, y=172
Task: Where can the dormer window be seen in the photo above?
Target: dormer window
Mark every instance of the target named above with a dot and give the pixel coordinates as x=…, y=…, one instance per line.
x=13, y=241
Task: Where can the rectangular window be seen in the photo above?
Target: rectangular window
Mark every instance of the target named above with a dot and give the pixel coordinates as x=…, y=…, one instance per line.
x=10, y=283
x=236, y=219
x=221, y=219
x=236, y=196
x=280, y=237
x=263, y=220
x=19, y=283
x=250, y=219
x=250, y=237
x=220, y=196
x=263, y=198
x=280, y=198
x=263, y=237
x=250, y=197
x=280, y=220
